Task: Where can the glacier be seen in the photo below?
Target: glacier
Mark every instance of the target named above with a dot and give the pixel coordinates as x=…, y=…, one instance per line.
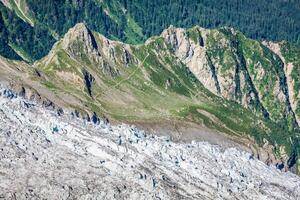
x=49, y=155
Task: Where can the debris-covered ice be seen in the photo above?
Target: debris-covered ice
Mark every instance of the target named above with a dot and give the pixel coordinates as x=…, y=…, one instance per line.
x=46, y=155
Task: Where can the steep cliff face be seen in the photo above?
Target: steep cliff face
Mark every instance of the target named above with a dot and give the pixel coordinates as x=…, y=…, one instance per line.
x=291, y=58
x=236, y=68
x=80, y=42
x=217, y=79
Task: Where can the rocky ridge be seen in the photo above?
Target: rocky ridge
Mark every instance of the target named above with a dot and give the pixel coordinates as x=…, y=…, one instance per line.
x=221, y=61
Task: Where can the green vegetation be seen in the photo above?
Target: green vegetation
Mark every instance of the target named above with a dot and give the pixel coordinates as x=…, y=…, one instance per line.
x=21, y=11
x=157, y=87
x=291, y=55
x=50, y=86
x=34, y=42
x=147, y=82
x=134, y=21
x=257, y=19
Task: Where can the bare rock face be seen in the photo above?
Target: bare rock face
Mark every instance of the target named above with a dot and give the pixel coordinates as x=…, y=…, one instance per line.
x=288, y=68
x=193, y=55
x=79, y=41
x=236, y=68
x=96, y=50
x=46, y=155
x=194, y=52
x=81, y=44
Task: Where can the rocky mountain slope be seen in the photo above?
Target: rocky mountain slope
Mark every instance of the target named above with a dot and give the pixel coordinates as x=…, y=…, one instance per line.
x=214, y=78
x=237, y=68
x=45, y=154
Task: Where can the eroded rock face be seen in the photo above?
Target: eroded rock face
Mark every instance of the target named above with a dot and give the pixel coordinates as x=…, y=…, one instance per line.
x=82, y=45
x=196, y=52
x=236, y=68
x=288, y=68
x=44, y=155
x=79, y=40
x=193, y=55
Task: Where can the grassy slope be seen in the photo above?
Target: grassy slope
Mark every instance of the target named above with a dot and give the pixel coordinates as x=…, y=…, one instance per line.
x=140, y=93
x=20, y=10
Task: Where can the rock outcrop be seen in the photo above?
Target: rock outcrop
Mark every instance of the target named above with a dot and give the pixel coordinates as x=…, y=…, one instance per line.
x=80, y=43
x=288, y=69
x=236, y=68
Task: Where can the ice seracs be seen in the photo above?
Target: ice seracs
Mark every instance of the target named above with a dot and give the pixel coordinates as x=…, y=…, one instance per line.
x=44, y=155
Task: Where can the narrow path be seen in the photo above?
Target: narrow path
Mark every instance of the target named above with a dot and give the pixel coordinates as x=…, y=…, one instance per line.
x=126, y=79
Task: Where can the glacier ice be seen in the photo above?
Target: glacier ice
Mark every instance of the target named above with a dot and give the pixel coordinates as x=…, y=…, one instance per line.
x=46, y=155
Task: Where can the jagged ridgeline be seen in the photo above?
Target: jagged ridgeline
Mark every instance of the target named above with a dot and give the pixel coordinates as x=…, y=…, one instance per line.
x=217, y=78
x=29, y=28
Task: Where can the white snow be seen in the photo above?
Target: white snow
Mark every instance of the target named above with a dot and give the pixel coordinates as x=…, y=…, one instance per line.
x=45, y=156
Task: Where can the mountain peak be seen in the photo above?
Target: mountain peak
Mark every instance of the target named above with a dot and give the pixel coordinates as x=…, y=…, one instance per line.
x=80, y=26
x=171, y=30
x=88, y=47
x=79, y=41
x=79, y=33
